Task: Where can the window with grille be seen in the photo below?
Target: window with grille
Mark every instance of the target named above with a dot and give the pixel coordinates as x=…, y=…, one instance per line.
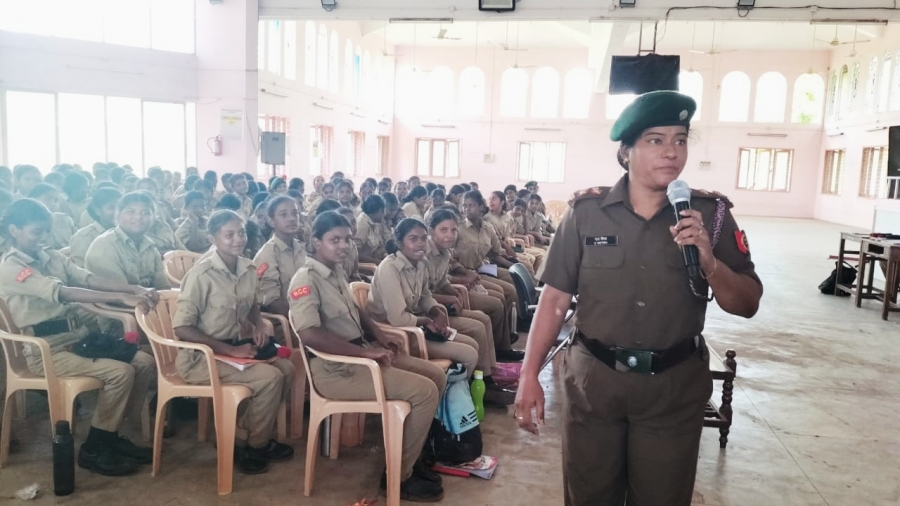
x=275, y=124
x=873, y=176
x=834, y=172
x=321, y=139
x=544, y=162
x=437, y=157
x=765, y=169
x=384, y=150
x=356, y=150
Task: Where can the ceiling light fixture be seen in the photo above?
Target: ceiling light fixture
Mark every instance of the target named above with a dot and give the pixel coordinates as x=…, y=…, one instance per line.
x=329, y=5
x=270, y=92
x=745, y=4
x=497, y=5
x=830, y=21
x=626, y=3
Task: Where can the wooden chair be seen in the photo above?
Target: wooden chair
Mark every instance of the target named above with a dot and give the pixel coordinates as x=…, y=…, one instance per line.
x=555, y=210
x=61, y=391
x=177, y=263
x=393, y=415
x=157, y=324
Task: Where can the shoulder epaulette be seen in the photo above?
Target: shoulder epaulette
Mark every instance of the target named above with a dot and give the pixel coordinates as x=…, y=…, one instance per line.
x=703, y=194
x=588, y=193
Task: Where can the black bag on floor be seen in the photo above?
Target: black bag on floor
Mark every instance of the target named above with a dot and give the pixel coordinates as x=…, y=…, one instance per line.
x=443, y=446
x=848, y=276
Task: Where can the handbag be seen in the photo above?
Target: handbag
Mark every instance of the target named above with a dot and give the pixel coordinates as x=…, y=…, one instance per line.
x=848, y=276
x=97, y=345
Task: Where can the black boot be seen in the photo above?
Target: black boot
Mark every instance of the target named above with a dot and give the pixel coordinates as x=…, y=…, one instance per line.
x=124, y=447
x=416, y=489
x=247, y=460
x=98, y=455
x=510, y=355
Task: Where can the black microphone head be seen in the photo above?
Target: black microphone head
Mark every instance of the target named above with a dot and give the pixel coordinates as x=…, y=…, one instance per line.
x=678, y=191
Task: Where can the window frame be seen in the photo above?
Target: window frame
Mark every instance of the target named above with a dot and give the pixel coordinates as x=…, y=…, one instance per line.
x=383, y=149
x=771, y=169
x=356, y=153
x=324, y=135
x=833, y=177
x=431, y=142
x=865, y=174
x=531, y=176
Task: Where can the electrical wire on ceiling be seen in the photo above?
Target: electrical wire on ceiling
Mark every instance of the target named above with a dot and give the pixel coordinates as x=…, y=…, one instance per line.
x=791, y=8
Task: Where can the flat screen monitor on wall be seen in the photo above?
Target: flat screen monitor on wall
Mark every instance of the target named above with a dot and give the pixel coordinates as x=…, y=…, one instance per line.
x=642, y=74
x=893, y=169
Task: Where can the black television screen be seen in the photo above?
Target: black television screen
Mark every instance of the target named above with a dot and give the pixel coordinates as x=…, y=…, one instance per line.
x=893, y=168
x=642, y=74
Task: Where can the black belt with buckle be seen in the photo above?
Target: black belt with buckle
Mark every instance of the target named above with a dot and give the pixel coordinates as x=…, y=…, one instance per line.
x=641, y=361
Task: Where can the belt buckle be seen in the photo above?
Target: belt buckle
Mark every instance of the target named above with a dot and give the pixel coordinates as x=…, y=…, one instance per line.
x=634, y=360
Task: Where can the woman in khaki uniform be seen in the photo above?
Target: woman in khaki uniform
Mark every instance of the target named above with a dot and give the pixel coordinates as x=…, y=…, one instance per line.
x=63, y=227
x=77, y=190
x=316, y=194
x=217, y=304
x=351, y=265
x=192, y=231
x=42, y=290
x=400, y=296
x=103, y=211
x=503, y=225
x=326, y=319
x=371, y=232
x=125, y=253
x=281, y=257
x=414, y=203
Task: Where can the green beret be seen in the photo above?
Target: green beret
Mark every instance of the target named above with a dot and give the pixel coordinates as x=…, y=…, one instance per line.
x=654, y=109
x=531, y=183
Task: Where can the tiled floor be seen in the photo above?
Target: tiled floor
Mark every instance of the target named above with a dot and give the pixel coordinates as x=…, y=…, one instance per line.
x=816, y=417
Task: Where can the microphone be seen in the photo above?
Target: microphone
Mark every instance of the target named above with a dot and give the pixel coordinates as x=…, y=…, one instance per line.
x=679, y=194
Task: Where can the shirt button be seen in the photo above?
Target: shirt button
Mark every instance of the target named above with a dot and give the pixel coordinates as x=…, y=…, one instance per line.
x=641, y=267
x=640, y=303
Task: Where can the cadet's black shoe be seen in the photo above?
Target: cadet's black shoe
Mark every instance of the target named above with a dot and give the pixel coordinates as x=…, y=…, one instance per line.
x=124, y=447
x=422, y=471
x=416, y=489
x=104, y=460
x=247, y=460
x=273, y=451
x=499, y=396
x=510, y=355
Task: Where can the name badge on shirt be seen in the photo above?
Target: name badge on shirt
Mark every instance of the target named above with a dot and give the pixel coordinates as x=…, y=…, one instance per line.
x=603, y=240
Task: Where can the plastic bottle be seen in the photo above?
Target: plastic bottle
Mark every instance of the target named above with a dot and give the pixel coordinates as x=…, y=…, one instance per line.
x=478, y=388
x=63, y=460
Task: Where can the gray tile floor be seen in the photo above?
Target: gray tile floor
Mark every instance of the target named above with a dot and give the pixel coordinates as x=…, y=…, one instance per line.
x=815, y=416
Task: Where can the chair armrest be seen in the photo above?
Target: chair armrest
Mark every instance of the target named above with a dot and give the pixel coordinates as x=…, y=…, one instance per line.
x=121, y=314
x=399, y=333
x=285, y=328
x=42, y=345
x=416, y=332
x=367, y=362
x=367, y=269
x=463, y=293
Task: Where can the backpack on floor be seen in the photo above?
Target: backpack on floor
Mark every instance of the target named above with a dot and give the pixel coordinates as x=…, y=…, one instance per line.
x=455, y=437
x=848, y=276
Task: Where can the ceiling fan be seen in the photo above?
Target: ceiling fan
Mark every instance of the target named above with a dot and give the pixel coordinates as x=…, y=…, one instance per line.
x=516, y=64
x=693, y=38
x=442, y=35
x=853, y=53
x=712, y=46
x=837, y=42
x=505, y=45
x=414, y=68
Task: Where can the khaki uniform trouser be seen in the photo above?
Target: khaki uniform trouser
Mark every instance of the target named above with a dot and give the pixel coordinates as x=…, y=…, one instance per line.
x=124, y=385
x=631, y=437
x=268, y=382
x=410, y=379
x=492, y=304
x=503, y=287
x=477, y=325
x=462, y=349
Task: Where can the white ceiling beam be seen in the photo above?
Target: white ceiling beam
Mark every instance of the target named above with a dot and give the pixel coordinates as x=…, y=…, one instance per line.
x=607, y=40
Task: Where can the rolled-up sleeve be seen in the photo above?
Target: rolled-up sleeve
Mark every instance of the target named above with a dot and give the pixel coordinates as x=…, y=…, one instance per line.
x=269, y=287
x=189, y=302
x=391, y=296
x=304, y=299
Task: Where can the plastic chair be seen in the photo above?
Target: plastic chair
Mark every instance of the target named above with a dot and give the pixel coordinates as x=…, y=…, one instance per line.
x=176, y=264
x=298, y=389
x=157, y=324
x=61, y=391
x=393, y=415
x=367, y=269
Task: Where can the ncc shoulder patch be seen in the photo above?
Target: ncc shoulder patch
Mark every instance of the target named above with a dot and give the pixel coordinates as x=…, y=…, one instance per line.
x=262, y=269
x=25, y=274
x=587, y=193
x=740, y=237
x=704, y=194
x=299, y=292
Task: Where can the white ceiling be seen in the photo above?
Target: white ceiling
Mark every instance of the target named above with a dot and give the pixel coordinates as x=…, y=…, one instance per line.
x=671, y=36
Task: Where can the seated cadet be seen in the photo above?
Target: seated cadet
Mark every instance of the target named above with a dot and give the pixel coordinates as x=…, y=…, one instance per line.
x=392, y=212
x=218, y=302
x=166, y=212
x=511, y=195
x=207, y=189
x=55, y=179
x=25, y=177
x=231, y=202
x=401, y=190
x=63, y=227
x=454, y=196
x=371, y=232
x=192, y=231
x=345, y=196
x=400, y=296
x=327, y=193
x=125, y=253
x=351, y=266
x=534, y=221
x=518, y=213
x=77, y=190
x=129, y=183
x=503, y=224
x=277, y=186
x=304, y=227
x=325, y=317
x=414, y=203
x=241, y=188
x=437, y=197
x=180, y=193
x=279, y=258
x=102, y=209
x=316, y=194
x=42, y=290
x=6, y=199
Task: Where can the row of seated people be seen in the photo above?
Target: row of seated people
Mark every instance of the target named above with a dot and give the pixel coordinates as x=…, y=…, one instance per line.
x=123, y=264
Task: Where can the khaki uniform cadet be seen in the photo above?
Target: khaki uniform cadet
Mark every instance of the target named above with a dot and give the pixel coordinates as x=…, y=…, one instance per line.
x=216, y=302
x=246, y=209
x=85, y=220
x=320, y=297
x=304, y=228
x=472, y=248
x=82, y=240
x=411, y=210
x=502, y=226
x=77, y=209
x=30, y=287
x=276, y=264
x=628, y=430
x=4, y=245
x=192, y=234
x=115, y=256
x=355, y=209
x=534, y=223
x=163, y=236
x=506, y=224
x=371, y=237
x=400, y=293
x=471, y=323
x=61, y=231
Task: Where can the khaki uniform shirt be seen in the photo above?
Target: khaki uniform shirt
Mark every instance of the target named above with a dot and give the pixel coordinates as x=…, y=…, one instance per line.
x=4, y=245
x=82, y=240
x=400, y=291
x=320, y=297
x=192, y=234
x=355, y=209
x=534, y=222
x=351, y=264
x=411, y=210
x=519, y=224
x=216, y=301
x=438, y=264
x=61, y=231
x=504, y=224
x=76, y=209
x=85, y=220
x=276, y=263
x=163, y=237
x=371, y=237
x=246, y=206
x=473, y=244
x=113, y=255
x=30, y=287
x=304, y=229
x=635, y=293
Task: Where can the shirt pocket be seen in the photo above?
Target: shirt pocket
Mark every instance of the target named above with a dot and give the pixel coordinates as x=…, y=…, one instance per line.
x=223, y=301
x=336, y=309
x=603, y=257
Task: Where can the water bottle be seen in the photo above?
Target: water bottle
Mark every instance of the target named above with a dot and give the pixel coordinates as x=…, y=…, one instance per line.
x=478, y=389
x=63, y=460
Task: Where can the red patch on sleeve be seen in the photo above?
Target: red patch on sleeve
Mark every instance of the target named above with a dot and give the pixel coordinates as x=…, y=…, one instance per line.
x=740, y=238
x=25, y=274
x=262, y=269
x=302, y=291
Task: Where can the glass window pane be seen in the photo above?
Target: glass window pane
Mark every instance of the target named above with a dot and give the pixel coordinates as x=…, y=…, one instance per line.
x=577, y=94
x=762, y=167
x=540, y=161
x=164, y=135
x=309, y=54
x=190, y=133
x=172, y=25
x=471, y=92
x=273, y=62
x=744, y=168
x=82, y=124
x=423, y=157
x=322, y=58
x=735, y=97
x=261, y=45
x=545, y=93
x=290, y=49
x=437, y=158
x=452, y=159
x=513, y=93
x=691, y=84
x=31, y=129
x=556, y=172
x=771, y=94
x=334, y=50
x=124, y=132
x=74, y=19
x=524, y=172
x=126, y=23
